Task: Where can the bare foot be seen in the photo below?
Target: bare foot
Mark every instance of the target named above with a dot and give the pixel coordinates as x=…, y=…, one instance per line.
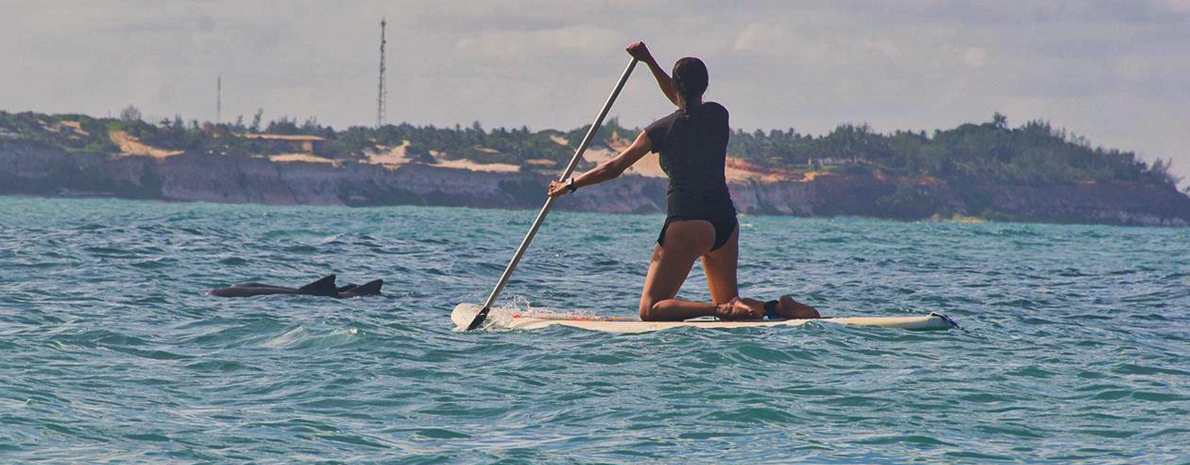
x=738, y=309
x=794, y=310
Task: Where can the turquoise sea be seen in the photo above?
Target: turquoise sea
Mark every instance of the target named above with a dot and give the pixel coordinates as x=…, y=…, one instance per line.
x=1078, y=348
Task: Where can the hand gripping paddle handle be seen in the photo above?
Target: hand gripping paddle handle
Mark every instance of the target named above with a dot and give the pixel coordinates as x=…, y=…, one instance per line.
x=545, y=210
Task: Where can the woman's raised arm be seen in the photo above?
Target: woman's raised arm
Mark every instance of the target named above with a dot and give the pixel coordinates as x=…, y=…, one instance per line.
x=641, y=52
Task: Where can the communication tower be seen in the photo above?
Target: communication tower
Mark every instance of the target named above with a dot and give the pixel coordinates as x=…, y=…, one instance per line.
x=219, y=99
x=382, y=93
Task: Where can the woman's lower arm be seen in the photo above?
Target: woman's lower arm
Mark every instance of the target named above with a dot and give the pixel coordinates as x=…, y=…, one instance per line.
x=616, y=166
x=601, y=173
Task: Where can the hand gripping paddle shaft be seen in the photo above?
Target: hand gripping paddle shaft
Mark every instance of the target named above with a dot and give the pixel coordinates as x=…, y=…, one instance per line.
x=545, y=210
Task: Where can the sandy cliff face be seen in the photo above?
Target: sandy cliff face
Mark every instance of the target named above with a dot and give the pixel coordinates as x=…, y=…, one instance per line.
x=32, y=170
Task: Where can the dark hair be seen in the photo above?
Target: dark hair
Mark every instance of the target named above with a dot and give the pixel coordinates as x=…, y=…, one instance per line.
x=690, y=77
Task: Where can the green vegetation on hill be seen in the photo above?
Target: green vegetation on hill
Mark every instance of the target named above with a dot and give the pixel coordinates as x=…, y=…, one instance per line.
x=91, y=135
x=1034, y=153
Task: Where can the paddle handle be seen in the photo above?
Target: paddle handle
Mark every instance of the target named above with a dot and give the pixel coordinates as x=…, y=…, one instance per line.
x=545, y=209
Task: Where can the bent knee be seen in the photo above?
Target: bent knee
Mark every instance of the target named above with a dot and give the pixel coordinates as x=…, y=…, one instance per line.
x=646, y=310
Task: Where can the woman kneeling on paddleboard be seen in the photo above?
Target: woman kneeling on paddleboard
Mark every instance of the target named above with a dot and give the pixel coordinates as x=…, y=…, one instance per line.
x=692, y=143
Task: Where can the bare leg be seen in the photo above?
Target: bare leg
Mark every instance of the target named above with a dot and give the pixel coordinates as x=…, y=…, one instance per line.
x=720, y=266
x=685, y=241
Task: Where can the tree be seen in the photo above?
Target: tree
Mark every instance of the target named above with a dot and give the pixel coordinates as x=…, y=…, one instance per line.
x=999, y=121
x=310, y=126
x=256, y=120
x=284, y=125
x=130, y=113
x=1160, y=172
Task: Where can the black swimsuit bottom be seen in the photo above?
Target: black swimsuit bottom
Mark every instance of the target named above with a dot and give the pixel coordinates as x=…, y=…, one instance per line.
x=723, y=229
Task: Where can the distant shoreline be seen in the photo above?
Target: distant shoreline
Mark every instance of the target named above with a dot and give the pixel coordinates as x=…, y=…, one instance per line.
x=39, y=171
x=980, y=172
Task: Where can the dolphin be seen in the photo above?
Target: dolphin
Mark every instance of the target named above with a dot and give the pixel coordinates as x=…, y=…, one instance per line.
x=323, y=287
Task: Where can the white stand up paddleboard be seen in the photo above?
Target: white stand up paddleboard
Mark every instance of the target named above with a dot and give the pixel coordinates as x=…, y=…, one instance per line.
x=464, y=313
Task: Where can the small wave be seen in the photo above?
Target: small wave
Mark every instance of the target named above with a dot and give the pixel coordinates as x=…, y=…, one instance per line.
x=234, y=261
x=755, y=415
x=100, y=337
x=219, y=366
x=1134, y=369
x=1015, y=430
x=441, y=433
x=289, y=233
x=300, y=338
x=110, y=252
x=915, y=439
x=155, y=263
x=332, y=239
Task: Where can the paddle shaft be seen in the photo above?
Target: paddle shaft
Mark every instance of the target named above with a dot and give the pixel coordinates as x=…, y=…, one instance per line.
x=545, y=209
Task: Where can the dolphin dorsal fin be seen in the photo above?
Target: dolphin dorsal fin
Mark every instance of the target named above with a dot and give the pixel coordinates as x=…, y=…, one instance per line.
x=324, y=286
x=369, y=288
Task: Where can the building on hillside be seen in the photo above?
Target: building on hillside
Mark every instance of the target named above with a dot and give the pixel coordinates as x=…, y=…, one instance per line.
x=286, y=142
x=818, y=163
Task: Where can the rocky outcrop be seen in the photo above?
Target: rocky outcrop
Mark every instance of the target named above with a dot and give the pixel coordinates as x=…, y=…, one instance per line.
x=1092, y=202
x=32, y=170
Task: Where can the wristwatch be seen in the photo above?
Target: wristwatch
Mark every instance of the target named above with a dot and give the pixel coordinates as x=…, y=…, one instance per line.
x=570, y=185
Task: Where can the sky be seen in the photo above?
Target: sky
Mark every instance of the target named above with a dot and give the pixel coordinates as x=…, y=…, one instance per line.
x=1115, y=72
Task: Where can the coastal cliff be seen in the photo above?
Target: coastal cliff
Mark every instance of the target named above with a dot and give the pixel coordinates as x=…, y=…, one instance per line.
x=32, y=169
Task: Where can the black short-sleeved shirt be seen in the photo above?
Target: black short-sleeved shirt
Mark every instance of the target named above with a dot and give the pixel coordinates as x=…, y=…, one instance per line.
x=693, y=148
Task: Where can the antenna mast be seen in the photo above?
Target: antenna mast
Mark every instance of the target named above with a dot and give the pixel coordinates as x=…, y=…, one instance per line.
x=382, y=93
x=219, y=99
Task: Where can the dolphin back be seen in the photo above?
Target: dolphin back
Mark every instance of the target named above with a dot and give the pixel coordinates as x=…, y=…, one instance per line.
x=324, y=286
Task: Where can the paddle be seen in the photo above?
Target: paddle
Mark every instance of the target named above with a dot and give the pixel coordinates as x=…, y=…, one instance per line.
x=545, y=210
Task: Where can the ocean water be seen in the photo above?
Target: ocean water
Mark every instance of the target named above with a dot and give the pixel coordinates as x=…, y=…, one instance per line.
x=1077, y=350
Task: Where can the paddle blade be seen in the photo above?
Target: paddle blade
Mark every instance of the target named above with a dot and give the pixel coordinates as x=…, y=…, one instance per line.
x=467, y=317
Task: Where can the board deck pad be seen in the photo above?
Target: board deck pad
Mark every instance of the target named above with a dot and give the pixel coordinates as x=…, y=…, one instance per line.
x=511, y=318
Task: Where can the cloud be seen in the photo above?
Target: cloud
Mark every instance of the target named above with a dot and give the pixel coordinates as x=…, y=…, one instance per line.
x=515, y=45
x=762, y=39
x=975, y=58
x=1110, y=70
x=1178, y=6
x=883, y=47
